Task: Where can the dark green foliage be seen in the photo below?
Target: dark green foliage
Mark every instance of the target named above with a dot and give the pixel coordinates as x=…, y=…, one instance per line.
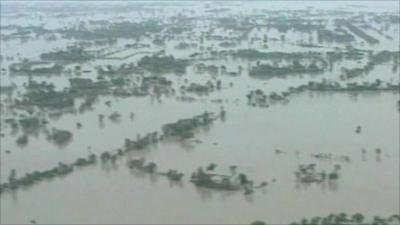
x=361, y=33
x=200, y=88
x=267, y=70
x=184, y=128
x=159, y=64
x=344, y=219
x=50, y=99
x=22, y=140
x=122, y=70
x=376, y=86
x=334, y=36
x=31, y=123
x=72, y=54
x=53, y=99
x=254, y=54
x=283, y=24
x=258, y=222
x=385, y=56
x=115, y=30
x=27, y=67
x=83, y=86
x=119, y=81
x=230, y=23
x=60, y=137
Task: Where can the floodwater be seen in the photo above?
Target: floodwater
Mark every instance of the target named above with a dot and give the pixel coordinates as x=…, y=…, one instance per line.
x=108, y=194
x=309, y=123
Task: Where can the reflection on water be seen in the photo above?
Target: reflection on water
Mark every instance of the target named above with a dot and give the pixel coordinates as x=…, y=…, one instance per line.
x=331, y=130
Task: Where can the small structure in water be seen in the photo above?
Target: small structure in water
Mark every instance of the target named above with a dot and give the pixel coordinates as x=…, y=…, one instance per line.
x=216, y=181
x=308, y=174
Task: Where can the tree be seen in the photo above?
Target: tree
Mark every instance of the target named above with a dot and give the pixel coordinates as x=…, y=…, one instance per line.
x=283, y=37
x=258, y=222
x=358, y=218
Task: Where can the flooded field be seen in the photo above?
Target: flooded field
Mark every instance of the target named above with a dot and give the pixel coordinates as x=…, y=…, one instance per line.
x=200, y=112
